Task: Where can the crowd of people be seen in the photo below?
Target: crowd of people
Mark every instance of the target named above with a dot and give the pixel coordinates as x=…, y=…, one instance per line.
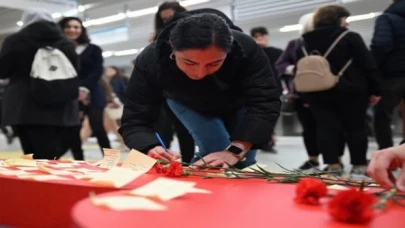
x=214, y=86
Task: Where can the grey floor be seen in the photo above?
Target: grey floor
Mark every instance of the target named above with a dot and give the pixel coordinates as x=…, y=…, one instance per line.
x=291, y=152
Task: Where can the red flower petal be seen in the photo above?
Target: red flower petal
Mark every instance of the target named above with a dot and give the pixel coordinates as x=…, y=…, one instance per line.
x=309, y=191
x=175, y=170
x=352, y=206
x=159, y=168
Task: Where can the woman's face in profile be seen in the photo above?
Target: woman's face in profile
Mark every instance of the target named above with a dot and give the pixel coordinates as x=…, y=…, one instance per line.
x=198, y=63
x=110, y=72
x=72, y=29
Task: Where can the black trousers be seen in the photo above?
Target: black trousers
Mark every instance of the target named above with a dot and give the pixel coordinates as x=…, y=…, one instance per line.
x=167, y=125
x=309, y=134
x=45, y=142
x=393, y=92
x=339, y=113
x=72, y=134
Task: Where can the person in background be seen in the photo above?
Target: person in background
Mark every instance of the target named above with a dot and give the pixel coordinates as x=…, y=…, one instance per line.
x=383, y=162
x=286, y=65
x=41, y=130
x=342, y=108
x=8, y=133
x=261, y=36
x=388, y=48
x=168, y=124
x=216, y=80
x=118, y=82
x=92, y=96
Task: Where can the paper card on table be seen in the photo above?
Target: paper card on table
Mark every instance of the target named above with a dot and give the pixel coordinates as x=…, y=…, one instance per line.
x=94, y=163
x=66, y=160
x=61, y=165
x=28, y=156
x=164, y=189
x=138, y=161
x=54, y=172
x=88, y=176
x=199, y=190
x=111, y=158
x=84, y=170
x=2, y=164
x=14, y=172
x=42, y=177
x=254, y=166
x=120, y=203
x=1, y=168
x=20, y=162
x=116, y=177
x=28, y=168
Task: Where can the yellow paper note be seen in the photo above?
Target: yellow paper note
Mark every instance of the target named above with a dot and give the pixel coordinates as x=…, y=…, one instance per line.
x=111, y=158
x=20, y=162
x=120, y=203
x=14, y=172
x=138, y=161
x=116, y=177
x=42, y=177
x=28, y=156
x=164, y=188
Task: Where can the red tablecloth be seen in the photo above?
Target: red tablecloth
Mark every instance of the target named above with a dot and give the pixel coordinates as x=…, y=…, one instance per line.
x=28, y=203
x=233, y=203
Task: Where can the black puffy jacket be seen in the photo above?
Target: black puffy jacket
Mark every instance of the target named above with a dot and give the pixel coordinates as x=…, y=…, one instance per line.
x=244, y=80
x=388, y=43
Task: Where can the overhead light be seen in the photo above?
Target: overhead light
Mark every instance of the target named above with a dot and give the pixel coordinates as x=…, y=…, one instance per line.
x=126, y=52
x=107, y=54
x=81, y=8
x=142, y=12
x=192, y=2
x=104, y=20
x=298, y=27
x=56, y=15
x=20, y=23
x=136, y=13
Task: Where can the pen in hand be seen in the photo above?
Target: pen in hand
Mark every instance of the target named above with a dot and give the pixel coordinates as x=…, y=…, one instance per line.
x=161, y=142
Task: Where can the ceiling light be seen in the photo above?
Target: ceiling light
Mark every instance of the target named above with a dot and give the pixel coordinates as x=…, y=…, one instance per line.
x=142, y=12
x=363, y=17
x=105, y=20
x=192, y=2
x=56, y=15
x=20, y=23
x=126, y=52
x=107, y=54
x=81, y=8
x=290, y=28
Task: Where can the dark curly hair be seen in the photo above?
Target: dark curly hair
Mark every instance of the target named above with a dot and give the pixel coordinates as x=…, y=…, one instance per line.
x=330, y=16
x=259, y=30
x=84, y=37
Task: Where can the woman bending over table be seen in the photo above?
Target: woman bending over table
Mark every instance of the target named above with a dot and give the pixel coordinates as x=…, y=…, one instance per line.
x=216, y=80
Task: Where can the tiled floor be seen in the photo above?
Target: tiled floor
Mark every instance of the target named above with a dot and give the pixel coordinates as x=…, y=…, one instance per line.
x=291, y=152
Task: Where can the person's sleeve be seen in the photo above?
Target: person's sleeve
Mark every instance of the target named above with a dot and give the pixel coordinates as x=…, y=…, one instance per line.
x=363, y=58
x=382, y=41
x=7, y=58
x=286, y=59
x=68, y=49
x=262, y=100
x=141, y=110
x=91, y=80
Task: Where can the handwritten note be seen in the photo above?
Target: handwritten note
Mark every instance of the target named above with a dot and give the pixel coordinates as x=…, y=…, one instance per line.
x=111, y=158
x=164, y=188
x=138, y=161
x=116, y=177
x=120, y=203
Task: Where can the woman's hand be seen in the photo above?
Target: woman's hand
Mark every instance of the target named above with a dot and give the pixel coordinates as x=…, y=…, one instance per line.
x=161, y=153
x=221, y=159
x=383, y=162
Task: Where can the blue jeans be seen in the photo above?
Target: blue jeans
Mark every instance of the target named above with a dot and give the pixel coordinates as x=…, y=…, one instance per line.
x=211, y=134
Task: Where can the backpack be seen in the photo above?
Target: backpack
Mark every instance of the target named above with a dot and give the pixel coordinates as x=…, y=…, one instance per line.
x=314, y=73
x=53, y=78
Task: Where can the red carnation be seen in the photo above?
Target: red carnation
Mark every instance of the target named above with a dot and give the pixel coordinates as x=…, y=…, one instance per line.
x=159, y=168
x=175, y=169
x=352, y=206
x=309, y=191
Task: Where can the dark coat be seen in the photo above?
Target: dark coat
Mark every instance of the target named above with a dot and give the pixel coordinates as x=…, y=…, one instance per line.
x=119, y=85
x=16, y=58
x=91, y=70
x=362, y=77
x=244, y=80
x=388, y=43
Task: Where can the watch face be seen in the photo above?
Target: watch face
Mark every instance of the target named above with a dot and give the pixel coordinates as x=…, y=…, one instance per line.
x=234, y=150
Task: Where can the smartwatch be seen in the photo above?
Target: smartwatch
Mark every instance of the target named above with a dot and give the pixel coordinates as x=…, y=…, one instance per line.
x=235, y=151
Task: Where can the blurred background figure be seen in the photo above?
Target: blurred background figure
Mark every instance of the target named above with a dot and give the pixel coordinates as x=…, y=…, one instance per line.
x=6, y=130
x=388, y=48
x=261, y=36
x=92, y=96
x=40, y=126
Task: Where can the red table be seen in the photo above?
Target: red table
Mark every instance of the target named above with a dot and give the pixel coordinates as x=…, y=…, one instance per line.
x=28, y=203
x=233, y=203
